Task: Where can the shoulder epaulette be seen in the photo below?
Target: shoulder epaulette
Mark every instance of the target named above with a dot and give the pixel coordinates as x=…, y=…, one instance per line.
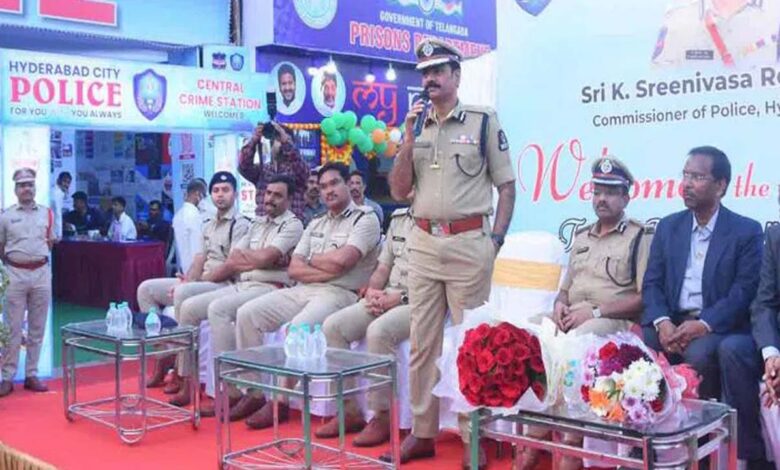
x=401, y=211
x=584, y=229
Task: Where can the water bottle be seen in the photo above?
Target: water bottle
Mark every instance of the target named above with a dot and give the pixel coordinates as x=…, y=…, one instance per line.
x=111, y=315
x=304, y=344
x=127, y=315
x=152, y=323
x=320, y=342
x=291, y=342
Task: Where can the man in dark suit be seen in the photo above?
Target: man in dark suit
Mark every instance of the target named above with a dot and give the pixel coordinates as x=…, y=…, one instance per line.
x=701, y=276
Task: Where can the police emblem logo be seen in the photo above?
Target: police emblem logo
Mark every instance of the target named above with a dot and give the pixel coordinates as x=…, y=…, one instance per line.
x=427, y=49
x=149, y=92
x=606, y=167
x=503, y=142
x=218, y=60
x=427, y=6
x=237, y=62
x=316, y=14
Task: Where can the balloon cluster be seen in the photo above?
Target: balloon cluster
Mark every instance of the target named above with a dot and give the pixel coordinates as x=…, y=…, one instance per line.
x=370, y=136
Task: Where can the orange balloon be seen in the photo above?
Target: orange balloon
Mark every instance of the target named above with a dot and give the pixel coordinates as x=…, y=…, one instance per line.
x=391, y=150
x=378, y=136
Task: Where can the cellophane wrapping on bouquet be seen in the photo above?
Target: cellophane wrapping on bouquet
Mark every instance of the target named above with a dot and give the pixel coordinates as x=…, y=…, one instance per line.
x=495, y=365
x=625, y=381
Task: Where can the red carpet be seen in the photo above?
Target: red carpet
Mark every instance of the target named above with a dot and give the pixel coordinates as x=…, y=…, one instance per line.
x=35, y=424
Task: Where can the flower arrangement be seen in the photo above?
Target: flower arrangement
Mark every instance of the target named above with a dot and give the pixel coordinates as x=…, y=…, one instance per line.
x=497, y=365
x=623, y=381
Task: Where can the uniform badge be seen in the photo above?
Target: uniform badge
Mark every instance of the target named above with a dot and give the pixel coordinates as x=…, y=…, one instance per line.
x=503, y=143
x=427, y=49
x=606, y=167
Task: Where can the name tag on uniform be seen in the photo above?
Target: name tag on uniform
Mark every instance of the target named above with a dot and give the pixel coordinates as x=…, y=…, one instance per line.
x=466, y=140
x=15, y=221
x=399, y=239
x=318, y=234
x=582, y=250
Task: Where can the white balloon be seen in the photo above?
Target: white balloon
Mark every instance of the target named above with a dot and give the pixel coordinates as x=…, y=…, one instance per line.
x=395, y=136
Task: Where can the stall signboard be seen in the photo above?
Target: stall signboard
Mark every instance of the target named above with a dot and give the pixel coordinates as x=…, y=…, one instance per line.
x=389, y=29
x=201, y=22
x=95, y=93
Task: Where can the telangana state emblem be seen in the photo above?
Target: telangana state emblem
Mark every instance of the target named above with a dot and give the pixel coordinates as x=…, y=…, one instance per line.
x=149, y=91
x=606, y=167
x=317, y=14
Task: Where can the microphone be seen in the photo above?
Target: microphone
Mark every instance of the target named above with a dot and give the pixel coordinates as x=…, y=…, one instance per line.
x=418, y=123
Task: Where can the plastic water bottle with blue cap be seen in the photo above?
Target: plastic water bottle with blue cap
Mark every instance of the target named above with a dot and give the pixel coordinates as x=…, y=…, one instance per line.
x=111, y=319
x=127, y=317
x=305, y=342
x=152, y=323
x=320, y=342
x=291, y=342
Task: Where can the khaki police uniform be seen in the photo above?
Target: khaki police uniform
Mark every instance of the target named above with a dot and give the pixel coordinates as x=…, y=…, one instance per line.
x=25, y=232
x=384, y=332
x=604, y=268
x=218, y=236
x=312, y=303
x=220, y=306
x=457, y=160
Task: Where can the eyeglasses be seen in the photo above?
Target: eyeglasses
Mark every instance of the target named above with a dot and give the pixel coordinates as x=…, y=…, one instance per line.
x=697, y=177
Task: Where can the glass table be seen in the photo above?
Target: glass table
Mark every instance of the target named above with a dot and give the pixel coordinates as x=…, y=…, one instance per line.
x=695, y=430
x=339, y=375
x=131, y=415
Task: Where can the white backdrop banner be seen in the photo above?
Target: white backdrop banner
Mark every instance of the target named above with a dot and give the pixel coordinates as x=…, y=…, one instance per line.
x=645, y=81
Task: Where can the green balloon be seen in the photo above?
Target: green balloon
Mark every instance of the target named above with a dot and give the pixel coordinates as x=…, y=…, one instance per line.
x=328, y=126
x=337, y=139
x=368, y=123
x=381, y=125
x=380, y=149
x=337, y=120
x=356, y=135
x=365, y=146
x=350, y=119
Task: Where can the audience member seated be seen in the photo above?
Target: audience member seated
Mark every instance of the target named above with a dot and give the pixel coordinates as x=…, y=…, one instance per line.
x=701, y=277
x=357, y=189
x=313, y=204
x=383, y=318
x=82, y=218
x=155, y=227
x=120, y=221
x=601, y=293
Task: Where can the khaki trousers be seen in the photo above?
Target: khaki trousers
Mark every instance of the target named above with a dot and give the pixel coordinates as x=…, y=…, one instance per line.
x=156, y=293
x=28, y=291
x=187, y=309
x=444, y=271
x=222, y=311
x=382, y=333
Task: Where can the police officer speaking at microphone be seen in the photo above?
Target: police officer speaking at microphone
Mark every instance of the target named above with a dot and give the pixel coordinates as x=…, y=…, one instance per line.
x=452, y=165
x=26, y=237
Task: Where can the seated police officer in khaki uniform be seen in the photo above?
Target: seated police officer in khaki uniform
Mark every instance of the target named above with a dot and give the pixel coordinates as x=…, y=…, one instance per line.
x=382, y=317
x=259, y=260
x=219, y=234
x=334, y=259
x=460, y=155
x=26, y=237
x=602, y=290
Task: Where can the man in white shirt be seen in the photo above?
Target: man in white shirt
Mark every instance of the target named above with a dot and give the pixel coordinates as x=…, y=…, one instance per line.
x=206, y=207
x=125, y=224
x=61, y=201
x=188, y=226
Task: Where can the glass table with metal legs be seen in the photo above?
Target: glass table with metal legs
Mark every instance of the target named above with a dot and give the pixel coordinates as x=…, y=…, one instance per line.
x=339, y=375
x=695, y=430
x=130, y=414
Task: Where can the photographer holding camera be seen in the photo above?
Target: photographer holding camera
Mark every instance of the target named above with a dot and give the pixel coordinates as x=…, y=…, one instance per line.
x=285, y=160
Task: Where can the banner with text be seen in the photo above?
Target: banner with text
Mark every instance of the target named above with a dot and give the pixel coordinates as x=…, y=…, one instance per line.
x=94, y=93
x=645, y=82
x=389, y=29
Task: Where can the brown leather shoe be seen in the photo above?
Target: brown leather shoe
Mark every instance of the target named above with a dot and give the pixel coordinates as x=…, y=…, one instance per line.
x=413, y=448
x=245, y=406
x=182, y=398
x=466, y=460
x=6, y=387
x=376, y=432
x=35, y=385
x=264, y=417
x=161, y=368
x=173, y=387
x=353, y=422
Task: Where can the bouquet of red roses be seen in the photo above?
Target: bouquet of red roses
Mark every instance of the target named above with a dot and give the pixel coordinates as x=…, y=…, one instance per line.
x=498, y=364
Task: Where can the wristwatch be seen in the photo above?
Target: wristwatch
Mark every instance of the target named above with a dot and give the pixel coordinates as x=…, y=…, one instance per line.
x=596, y=312
x=404, y=298
x=498, y=239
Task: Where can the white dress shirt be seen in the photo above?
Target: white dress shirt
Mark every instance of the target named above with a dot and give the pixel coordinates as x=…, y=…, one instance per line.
x=187, y=234
x=127, y=228
x=60, y=204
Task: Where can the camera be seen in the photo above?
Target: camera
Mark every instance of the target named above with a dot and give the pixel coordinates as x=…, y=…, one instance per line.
x=269, y=131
